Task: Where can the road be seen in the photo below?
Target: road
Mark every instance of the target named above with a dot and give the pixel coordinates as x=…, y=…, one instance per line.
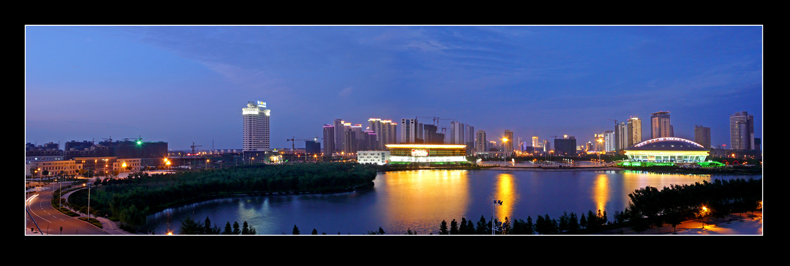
x=50, y=220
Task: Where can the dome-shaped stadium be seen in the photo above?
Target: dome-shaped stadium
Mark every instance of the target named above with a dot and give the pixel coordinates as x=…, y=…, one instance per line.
x=669, y=149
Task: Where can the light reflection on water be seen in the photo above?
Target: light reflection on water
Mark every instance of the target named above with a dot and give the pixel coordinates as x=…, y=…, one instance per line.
x=419, y=200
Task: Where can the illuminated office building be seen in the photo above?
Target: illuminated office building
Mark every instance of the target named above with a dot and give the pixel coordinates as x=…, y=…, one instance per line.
x=255, y=135
x=742, y=131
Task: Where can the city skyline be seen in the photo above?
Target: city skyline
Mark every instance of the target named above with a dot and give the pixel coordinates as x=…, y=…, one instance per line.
x=185, y=84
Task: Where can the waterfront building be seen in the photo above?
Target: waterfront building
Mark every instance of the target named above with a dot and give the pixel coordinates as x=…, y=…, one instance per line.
x=480, y=142
x=598, y=144
x=339, y=134
x=329, y=140
x=469, y=138
x=621, y=135
x=702, y=136
x=389, y=132
x=609, y=141
x=427, y=153
x=456, y=132
x=634, y=129
x=255, y=135
x=546, y=146
x=373, y=157
x=659, y=125
x=432, y=136
x=507, y=145
x=667, y=149
x=408, y=130
x=535, y=142
x=742, y=131
x=565, y=146
x=349, y=140
x=420, y=138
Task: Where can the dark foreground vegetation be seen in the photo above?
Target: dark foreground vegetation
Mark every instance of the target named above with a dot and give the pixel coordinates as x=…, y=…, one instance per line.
x=649, y=207
x=131, y=199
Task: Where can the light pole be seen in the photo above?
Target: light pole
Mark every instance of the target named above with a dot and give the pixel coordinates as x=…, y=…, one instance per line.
x=493, y=208
x=89, y=201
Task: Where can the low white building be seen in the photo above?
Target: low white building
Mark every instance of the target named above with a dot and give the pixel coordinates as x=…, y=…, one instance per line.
x=373, y=157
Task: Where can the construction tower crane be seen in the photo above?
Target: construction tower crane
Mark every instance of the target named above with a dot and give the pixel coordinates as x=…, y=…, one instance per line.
x=293, y=141
x=193, y=147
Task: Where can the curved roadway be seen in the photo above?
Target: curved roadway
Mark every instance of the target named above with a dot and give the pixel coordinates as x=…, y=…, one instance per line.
x=50, y=220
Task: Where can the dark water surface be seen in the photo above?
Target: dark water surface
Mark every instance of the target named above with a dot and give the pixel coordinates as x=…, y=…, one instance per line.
x=420, y=200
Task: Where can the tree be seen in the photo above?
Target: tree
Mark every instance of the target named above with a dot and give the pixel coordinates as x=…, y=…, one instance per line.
x=483, y=228
x=462, y=229
x=573, y=223
x=207, y=227
x=296, y=230
x=529, y=228
x=564, y=222
x=315, y=232
x=228, y=230
x=245, y=230
x=443, y=228
x=236, y=230
x=189, y=227
x=453, y=227
x=381, y=231
x=583, y=222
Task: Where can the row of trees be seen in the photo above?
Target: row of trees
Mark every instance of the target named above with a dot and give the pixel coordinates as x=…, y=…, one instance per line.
x=191, y=227
x=567, y=223
x=133, y=198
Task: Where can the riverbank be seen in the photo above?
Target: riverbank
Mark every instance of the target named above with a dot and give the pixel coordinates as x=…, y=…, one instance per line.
x=553, y=169
x=733, y=224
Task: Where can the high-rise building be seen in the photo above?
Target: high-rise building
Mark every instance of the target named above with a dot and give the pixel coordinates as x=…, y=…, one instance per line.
x=621, y=136
x=508, y=145
x=659, y=125
x=420, y=133
x=535, y=142
x=598, y=144
x=702, y=136
x=565, y=146
x=329, y=140
x=408, y=130
x=312, y=147
x=742, y=131
x=431, y=136
x=391, y=131
x=457, y=133
x=350, y=140
x=634, y=129
x=480, y=142
x=609, y=141
x=339, y=134
x=256, y=126
x=546, y=145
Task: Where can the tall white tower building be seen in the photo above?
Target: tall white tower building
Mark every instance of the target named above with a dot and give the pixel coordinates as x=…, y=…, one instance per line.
x=256, y=126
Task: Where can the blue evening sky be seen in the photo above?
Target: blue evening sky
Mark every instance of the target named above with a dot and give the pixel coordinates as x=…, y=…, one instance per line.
x=184, y=84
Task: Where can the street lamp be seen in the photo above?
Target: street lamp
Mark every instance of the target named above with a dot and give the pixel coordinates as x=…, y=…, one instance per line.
x=704, y=210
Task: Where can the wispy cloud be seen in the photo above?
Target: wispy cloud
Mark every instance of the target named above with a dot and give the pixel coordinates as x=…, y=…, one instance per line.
x=346, y=92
